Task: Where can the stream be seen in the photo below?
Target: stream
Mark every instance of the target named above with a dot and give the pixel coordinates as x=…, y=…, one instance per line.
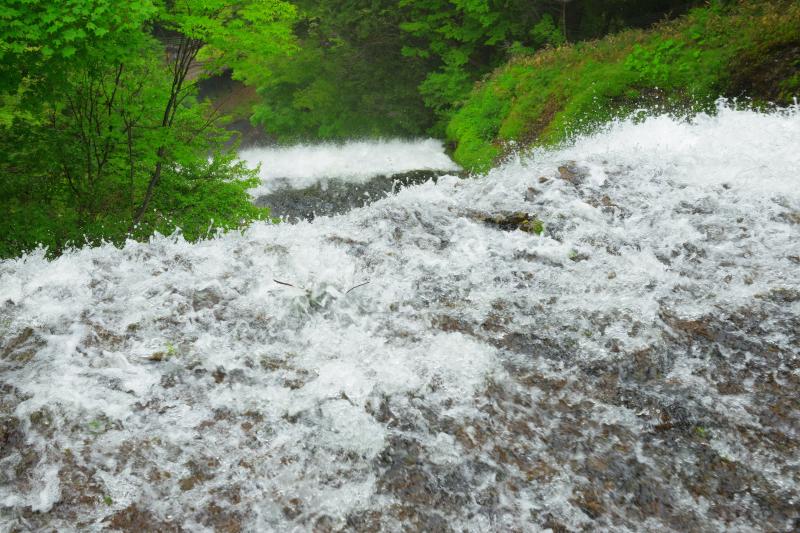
x=604, y=336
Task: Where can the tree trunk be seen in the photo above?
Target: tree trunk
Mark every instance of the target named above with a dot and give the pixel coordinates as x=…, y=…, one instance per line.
x=187, y=51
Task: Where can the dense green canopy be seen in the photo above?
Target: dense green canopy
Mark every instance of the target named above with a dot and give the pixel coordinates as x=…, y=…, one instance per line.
x=399, y=67
x=101, y=136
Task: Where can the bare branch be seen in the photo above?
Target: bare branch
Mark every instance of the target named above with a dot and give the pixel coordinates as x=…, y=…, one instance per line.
x=357, y=286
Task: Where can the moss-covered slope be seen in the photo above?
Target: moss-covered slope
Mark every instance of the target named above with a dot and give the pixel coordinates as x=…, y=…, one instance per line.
x=745, y=49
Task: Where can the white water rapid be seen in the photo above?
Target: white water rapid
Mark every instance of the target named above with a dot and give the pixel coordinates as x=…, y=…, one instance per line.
x=420, y=364
x=305, y=165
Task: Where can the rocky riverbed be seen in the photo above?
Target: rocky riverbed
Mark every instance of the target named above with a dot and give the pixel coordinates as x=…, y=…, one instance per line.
x=604, y=337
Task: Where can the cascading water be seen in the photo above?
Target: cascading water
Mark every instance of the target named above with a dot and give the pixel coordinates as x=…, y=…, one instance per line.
x=355, y=162
x=629, y=363
x=305, y=181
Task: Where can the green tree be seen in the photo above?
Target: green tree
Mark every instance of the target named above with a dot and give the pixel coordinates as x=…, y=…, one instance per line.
x=348, y=78
x=466, y=39
x=102, y=136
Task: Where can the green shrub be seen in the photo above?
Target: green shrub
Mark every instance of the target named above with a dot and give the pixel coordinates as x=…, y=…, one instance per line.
x=683, y=65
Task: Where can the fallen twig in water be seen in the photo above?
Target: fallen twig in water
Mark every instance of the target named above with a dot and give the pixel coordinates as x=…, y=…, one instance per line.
x=296, y=287
x=357, y=286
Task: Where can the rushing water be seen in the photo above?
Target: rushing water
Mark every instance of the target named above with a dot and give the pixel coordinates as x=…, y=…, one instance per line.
x=306, y=181
x=304, y=166
x=419, y=364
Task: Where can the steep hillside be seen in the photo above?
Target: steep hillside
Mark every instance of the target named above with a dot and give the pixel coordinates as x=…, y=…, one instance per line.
x=750, y=49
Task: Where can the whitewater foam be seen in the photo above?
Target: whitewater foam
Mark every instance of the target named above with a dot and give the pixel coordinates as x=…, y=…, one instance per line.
x=633, y=367
x=301, y=166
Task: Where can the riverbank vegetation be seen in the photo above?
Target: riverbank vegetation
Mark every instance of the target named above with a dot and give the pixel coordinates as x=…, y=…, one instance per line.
x=747, y=50
x=401, y=67
x=102, y=137
x=112, y=114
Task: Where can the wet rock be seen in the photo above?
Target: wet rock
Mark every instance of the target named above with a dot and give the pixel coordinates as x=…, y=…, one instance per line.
x=416, y=519
x=42, y=421
x=410, y=478
x=383, y=411
x=206, y=298
x=365, y=521
x=100, y=336
x=10, y=433
x=645, y=365
x=449, y=323
x=22, y=347
x=525, y=255
x=24, y=468
x=404, y=477
x=539, y=345
x=531, y=194
x=496, y=322
x=792, y=217
x=201, y=470
x=781, y=295
x=511, y=221
x=549, y=522
x=80, y=486
x=169, y=380
x=577, y=257
x=293, y=508
x=701, y=207
x=698, y=329
x=135, y=519
x=730, y=388
x=691, y=251
x=335, y=196
x=325, y=524
x=590, y=503
x=220, y=519
x=157, y=357
x=572, y=173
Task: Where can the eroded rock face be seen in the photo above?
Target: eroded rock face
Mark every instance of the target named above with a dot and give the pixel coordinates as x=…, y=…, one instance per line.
x=423, y=365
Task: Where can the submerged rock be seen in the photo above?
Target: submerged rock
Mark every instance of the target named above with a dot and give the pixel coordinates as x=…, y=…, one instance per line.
x=134, y=519
x=572, y=173
x=421, y=365
x=337, y=196
x=510, y=221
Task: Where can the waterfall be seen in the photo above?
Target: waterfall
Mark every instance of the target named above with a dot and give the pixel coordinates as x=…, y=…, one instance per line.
x=600, y=336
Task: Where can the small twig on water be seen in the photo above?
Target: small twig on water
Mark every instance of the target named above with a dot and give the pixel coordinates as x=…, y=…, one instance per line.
x=357, y=286
x=296, y=287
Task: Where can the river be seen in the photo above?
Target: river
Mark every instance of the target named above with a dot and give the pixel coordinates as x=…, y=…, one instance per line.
x=602, y=336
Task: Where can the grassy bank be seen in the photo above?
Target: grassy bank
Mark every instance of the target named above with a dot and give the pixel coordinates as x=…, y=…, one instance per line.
x=737, y=49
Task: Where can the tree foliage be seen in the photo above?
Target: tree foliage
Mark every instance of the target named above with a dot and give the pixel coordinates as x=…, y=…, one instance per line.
x=466, y=39
x=744, y=50
x=102, y=136
x=400, y=67
x=348, y=78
